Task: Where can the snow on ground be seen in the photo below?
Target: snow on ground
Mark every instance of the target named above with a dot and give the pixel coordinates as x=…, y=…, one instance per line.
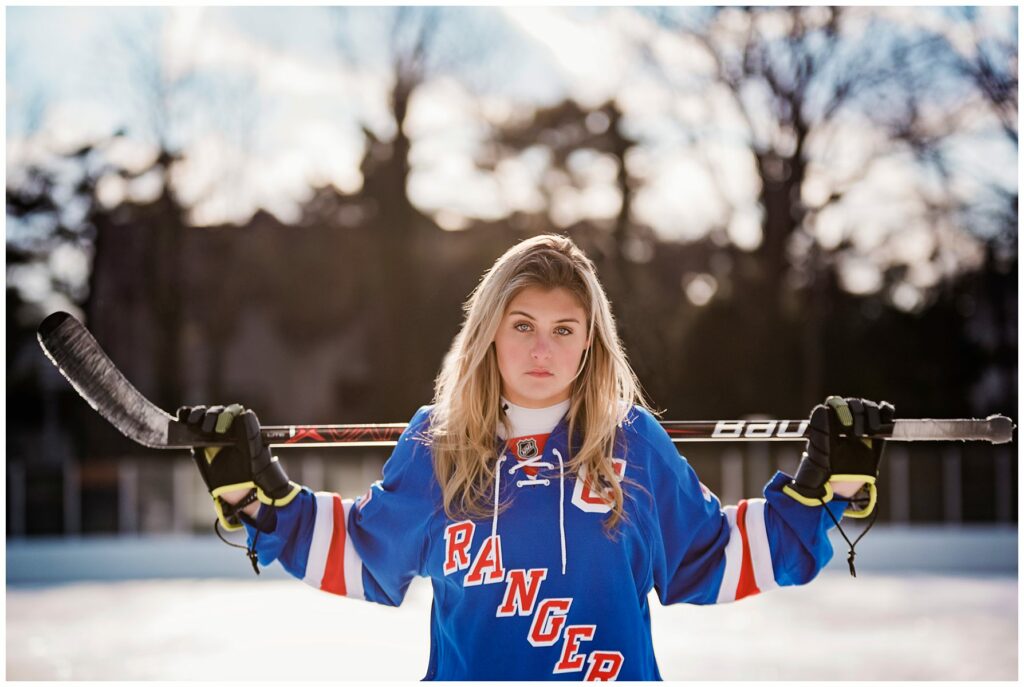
x=929, y=603
x=880, y=626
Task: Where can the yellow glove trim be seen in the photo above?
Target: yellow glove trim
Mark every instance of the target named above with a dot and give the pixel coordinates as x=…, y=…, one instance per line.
x=808, y=501
x=842, y=410
x=217, y=503
x=227, y=417
x=232, y=487
x=224, y=421
x=284, y=501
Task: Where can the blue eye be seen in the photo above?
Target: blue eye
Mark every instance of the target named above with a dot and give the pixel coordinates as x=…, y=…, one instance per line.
x=562, y=331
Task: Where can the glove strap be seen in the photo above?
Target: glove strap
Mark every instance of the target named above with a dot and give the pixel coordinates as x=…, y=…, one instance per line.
x=230, y=512
x=853, y=544
x=225, y=511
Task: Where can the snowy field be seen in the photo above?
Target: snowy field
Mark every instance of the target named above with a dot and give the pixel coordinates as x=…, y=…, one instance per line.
x=888, y=624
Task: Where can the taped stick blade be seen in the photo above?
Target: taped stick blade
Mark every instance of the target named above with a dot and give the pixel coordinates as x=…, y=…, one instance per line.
x=79, y=357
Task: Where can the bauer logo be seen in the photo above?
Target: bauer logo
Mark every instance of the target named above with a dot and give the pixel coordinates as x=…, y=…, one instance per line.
x=760, y=429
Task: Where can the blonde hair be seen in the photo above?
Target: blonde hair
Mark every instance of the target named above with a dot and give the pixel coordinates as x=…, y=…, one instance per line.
x=468, y=387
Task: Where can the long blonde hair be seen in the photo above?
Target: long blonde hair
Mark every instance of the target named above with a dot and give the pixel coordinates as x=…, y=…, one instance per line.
x=467, y=389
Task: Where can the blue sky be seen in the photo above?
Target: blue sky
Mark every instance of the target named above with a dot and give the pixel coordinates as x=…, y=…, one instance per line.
x=57, y=52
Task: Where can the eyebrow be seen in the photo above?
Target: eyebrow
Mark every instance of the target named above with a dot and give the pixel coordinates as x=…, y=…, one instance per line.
x=526, y=314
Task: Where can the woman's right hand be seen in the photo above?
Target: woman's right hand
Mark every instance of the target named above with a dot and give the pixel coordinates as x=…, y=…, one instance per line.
x=244, y=470
x=227, y=471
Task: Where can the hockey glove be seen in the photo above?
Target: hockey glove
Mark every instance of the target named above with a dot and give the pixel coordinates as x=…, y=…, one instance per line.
x=838, y=449
x=245, y=464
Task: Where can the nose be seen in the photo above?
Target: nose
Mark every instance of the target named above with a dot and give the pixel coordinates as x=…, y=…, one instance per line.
x=541, y=348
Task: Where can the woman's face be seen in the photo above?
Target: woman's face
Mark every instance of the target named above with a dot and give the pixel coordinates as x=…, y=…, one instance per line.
x=540, y=344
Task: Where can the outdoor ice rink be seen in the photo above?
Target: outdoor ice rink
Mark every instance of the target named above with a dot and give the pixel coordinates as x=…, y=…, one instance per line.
x=888, y=624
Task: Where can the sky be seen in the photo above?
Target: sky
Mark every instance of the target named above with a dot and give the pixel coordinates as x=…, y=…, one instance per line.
x=278, y=108
x=310, y=102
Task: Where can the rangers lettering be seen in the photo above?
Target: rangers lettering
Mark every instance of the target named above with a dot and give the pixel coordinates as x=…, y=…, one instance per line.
x=604, y=666
x=487, y=566
x=457, y=539
x=521, y=591
x=548, y=622
x=570, y=661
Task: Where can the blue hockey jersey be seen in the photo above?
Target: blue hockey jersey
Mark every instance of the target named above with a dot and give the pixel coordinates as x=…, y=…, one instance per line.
x=539, y=591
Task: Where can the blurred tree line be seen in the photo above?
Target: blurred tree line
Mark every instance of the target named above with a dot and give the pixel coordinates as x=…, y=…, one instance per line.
x=344, y=315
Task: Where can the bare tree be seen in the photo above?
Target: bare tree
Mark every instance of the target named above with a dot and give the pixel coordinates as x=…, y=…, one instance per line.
x=172, y=102
x=978, y=47
x=805, y=82
x=412, y=45
x=564, y=130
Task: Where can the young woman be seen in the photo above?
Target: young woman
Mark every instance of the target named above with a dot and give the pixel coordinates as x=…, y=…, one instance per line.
x=541, y=496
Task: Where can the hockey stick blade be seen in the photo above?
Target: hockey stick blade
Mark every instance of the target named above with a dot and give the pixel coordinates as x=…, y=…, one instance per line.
x=79, y=357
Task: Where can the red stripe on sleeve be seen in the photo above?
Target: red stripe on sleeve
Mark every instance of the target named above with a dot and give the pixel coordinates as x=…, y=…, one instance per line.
x=334, y=574
x=747, y=585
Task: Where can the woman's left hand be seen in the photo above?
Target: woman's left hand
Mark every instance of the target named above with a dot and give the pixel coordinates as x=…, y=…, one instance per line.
x=843, y=453
x=846, y=489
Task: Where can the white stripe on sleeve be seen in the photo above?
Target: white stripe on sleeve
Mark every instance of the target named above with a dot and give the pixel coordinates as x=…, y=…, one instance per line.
x=353, y=564
x=760, y=553
x=320, y=544
x=733, y=559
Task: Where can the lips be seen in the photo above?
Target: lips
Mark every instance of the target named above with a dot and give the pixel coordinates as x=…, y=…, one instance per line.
x=539, y=373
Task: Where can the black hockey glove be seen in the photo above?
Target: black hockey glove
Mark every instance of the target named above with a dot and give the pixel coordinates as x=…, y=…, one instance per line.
x=838, y=449
x=246, y=464
x=850, y=457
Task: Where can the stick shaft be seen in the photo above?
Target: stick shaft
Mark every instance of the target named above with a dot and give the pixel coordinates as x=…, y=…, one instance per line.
x=996, y=429
x=92, y=373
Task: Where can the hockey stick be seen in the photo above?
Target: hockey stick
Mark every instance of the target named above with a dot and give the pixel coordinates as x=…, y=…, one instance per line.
x=96, y=378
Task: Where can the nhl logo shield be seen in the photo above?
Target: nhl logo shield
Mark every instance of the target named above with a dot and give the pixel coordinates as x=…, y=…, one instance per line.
x=526, y=448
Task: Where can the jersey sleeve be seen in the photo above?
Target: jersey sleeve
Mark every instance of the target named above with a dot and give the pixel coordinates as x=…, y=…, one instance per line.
x=705, y=553
x=368, y=548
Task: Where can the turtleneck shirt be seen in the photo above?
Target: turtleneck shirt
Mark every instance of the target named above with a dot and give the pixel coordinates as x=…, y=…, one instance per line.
x=531, y=428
